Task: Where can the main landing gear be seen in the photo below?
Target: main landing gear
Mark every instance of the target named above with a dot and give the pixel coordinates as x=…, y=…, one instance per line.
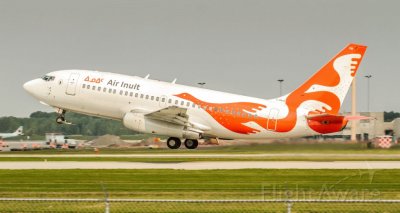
x=175, y=143
x=191, y=143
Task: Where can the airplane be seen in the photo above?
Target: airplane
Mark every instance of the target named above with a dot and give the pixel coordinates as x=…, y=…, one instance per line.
x=190, y=113
x=17, y=132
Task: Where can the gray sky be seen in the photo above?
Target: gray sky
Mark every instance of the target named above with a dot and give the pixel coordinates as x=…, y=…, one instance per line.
x=235, y=46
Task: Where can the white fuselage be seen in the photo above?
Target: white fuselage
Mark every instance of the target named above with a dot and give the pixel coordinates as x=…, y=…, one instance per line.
x=178, y=111
x=112, y=95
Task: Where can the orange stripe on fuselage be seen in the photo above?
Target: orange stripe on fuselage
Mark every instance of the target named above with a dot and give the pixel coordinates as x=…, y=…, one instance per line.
x=232, y=121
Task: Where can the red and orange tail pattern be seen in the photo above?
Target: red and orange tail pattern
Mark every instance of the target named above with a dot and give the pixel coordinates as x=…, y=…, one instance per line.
x=326, y=90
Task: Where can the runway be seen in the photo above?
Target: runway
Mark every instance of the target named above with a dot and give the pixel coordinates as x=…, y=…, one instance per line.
x=185, y=155
x=209, y=165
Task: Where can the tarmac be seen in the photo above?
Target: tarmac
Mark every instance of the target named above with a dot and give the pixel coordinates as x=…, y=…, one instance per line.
x=185, y=155
x=204, y=165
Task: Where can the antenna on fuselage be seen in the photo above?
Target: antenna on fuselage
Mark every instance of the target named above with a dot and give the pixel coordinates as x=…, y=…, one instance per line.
x=174, y=81
x=147, y=76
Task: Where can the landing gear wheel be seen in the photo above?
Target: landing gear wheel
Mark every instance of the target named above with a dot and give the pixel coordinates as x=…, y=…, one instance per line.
x=173, y=143
x=60, y=119
x=191, y=144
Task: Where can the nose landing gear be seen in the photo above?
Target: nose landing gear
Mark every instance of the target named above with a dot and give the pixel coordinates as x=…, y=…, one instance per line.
x=175, y=143
x=61, y=118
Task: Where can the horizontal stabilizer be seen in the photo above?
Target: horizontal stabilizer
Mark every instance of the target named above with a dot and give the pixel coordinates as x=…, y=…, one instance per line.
x=326, y=117
x=356, y=118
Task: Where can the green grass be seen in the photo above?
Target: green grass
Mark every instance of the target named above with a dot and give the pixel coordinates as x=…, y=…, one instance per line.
x=200, y=184
x=168, y=207
x=296, y=151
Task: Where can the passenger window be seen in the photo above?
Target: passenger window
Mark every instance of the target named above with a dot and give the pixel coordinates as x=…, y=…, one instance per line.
x=136, y=95
x=99, y=89
x=115, y=91
x=193, y=105
x=152, y=97
x=176, y=102
x=170, y=101
x=215, y=109
x=157, y=99
x=126, y=93
x=182, y=103
x=188, y=104
x=88, y=87
x=93, y=87
x=110, y=90
x=104, y=89
x=83, y=86
x=147, y=96
x=120, y=92
x=141, y=95
x=163, y=100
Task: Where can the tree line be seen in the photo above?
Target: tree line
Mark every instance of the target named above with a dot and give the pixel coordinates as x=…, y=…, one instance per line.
x=40, y=123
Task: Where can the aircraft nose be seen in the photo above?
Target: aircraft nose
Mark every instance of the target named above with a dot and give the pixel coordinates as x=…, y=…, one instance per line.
x=28, y=86
x=32, y=87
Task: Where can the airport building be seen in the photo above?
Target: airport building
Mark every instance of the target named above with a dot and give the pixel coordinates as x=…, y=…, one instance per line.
x=371, y=128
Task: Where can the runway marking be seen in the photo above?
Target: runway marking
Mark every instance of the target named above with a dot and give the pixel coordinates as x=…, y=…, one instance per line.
x=202, y=165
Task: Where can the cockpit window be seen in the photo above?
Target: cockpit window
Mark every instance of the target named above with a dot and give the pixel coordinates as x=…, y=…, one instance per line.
x=48, y=78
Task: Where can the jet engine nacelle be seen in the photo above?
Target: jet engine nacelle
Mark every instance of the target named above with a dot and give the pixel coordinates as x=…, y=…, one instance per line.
x=139, y=123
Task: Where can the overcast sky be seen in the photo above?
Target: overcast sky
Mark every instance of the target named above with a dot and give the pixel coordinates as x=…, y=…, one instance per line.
x=234, y=46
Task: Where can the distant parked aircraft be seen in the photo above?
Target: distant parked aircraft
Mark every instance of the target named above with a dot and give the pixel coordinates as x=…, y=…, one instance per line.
x=191, y=113
x=17, y=132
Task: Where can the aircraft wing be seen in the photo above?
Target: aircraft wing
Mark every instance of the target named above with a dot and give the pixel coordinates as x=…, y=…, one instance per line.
x=172, y=114
x=177, y=115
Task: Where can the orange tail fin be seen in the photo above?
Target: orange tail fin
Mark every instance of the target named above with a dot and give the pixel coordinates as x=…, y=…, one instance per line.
x=325, y=91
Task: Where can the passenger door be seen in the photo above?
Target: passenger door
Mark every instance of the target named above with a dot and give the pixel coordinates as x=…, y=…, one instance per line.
x=72, y=82
x=272, y=121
